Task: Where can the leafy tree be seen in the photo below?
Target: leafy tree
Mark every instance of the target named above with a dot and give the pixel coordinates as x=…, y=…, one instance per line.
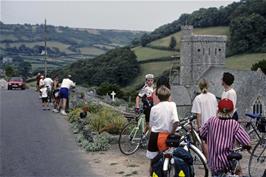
x=9, y=70
x=172, y=44
x=118, y=66
x=248, y=33
x=24, y=69
x=261, y=64
x=106, y=87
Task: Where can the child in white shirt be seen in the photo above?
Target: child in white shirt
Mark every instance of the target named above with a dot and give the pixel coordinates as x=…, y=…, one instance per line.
x=44, y=96
x=163, y=118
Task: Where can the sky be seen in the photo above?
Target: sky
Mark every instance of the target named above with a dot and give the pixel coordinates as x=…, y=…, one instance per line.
x=124, y=15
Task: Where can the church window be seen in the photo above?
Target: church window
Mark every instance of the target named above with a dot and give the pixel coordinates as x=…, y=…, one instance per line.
x=203, y=51
x=215, y=51
x=198, y=50
x=220, y=50
x=257, y=106
x=209, y=51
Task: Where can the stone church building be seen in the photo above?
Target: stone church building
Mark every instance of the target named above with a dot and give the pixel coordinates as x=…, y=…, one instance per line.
x=203, y=56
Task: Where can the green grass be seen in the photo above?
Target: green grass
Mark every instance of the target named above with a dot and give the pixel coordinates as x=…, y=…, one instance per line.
x=164, y=42
x=244, y=61
x=156, y=68
x=144, y=53
x=91, y=50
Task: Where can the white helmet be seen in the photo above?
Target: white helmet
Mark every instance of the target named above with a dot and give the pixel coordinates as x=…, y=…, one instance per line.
x=149, y=76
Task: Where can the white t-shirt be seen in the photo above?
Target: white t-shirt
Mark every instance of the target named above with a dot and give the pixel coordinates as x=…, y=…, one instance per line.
x=231, y=95
x=146, y=90
x=206, y=105
x=43, y=92
x=67, y=83
x=48, y=82
x=162, y=117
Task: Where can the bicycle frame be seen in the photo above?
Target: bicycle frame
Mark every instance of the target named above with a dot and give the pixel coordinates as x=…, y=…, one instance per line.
x=254, y=127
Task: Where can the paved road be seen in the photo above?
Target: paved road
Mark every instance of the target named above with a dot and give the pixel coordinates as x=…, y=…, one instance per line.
x=36, y=143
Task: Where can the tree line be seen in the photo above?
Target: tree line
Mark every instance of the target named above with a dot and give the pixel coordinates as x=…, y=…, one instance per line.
x=246, y=19
x=118, y=66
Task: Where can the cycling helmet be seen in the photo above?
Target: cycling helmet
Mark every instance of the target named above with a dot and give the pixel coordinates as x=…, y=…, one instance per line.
x=149, y=76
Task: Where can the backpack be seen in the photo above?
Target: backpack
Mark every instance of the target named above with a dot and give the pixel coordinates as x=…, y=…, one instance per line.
x=183, y=163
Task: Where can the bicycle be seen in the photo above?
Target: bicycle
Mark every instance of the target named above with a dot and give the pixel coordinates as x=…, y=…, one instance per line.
x=234, y=158
x=199, y=160
x=257, y=161
x=253, y=132
x=132, y=135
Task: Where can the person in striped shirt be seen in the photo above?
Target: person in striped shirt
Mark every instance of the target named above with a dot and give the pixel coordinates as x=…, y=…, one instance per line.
x=221, y=132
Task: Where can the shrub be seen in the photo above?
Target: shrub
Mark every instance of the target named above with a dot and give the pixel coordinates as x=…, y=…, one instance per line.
x=100, y=143
x=74, y=115
x=107, y=120
x=261, y=64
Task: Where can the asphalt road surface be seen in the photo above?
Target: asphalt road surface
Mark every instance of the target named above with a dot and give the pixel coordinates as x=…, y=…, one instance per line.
x=36, y=143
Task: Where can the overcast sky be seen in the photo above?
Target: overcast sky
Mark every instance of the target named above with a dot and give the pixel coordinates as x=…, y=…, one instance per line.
x=127, y=15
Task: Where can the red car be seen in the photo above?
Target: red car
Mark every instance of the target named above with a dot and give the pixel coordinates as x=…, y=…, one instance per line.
x=16, y=82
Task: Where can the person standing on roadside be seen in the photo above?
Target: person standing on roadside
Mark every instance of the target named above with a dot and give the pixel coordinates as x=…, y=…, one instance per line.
x=64, y=93
x=48, y=82
x=229, y=92
x=44, y=96
x=38, y=77
x=145, y=95
x=204, y=106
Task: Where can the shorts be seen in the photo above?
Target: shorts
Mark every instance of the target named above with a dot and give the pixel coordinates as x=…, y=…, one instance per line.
x=63, y=93
x=153, y=150
x=44, y=99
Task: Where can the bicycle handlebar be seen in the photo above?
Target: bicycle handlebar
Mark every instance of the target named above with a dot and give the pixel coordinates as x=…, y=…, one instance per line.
x=253, y=116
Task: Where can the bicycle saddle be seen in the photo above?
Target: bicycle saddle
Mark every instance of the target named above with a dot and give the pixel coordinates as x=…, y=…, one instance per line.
x=253, y=116
x=234, y=155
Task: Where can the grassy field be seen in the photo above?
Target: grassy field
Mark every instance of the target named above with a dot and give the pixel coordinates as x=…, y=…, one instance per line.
x=164, y=42
x=245, y=61
x=144, y=53
x=91, y=51
x=156, y=68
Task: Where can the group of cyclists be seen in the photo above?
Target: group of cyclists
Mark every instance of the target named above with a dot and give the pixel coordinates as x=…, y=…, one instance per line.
x=217, y=122
x=51, y=90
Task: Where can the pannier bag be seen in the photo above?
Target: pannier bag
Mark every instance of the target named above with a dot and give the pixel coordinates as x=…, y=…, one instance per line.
x=183, y=163
x=261, y=124
x=157, y=166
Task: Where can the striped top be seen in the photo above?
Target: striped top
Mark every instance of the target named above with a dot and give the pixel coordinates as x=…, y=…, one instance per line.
x=221, y=135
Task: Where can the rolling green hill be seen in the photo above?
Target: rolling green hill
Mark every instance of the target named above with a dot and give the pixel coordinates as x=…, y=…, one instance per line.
x=65, y=45
x=164, y=42
x=244, y=61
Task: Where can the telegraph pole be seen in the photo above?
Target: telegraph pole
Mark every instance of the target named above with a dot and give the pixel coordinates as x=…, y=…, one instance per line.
x=45, y=47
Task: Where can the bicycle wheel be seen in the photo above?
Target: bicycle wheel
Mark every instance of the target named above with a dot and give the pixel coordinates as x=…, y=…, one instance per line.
x=257, y=161
x=199, y=162
x=130, y=138
x=170, y=172
x=254, y=136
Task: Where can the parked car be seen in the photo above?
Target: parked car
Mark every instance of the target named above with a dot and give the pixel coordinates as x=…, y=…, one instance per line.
x=16, y=82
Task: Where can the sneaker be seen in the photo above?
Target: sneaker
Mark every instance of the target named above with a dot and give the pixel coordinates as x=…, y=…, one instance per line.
x=55, y=110
x=63, y=112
